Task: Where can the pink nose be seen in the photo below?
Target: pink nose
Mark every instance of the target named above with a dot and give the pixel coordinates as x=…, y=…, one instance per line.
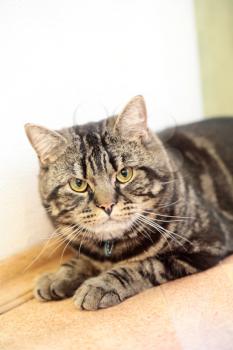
x=107, y=208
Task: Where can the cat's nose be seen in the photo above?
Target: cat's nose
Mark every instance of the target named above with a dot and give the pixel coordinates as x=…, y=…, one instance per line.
x=107, y=208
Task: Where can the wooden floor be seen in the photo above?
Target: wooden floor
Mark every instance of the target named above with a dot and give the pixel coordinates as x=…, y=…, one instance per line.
x=191, y=313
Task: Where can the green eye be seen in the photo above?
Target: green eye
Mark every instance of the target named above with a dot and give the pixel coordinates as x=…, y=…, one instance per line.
x=125, y=175
x=78, y=185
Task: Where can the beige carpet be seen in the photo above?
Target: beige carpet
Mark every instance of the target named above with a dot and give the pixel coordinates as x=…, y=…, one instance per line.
x=192, y=313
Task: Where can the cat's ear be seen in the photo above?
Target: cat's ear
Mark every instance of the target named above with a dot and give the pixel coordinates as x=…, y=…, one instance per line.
x=48, y=144
x=132, y=121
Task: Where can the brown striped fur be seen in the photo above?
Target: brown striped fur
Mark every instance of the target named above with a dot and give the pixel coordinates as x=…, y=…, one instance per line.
x=172, y=219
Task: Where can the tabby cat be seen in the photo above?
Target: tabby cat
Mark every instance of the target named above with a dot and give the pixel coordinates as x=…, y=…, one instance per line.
x=139, y=209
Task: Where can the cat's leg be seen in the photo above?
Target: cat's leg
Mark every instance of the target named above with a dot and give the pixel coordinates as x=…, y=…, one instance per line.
x=64, y=282
x=117, y=284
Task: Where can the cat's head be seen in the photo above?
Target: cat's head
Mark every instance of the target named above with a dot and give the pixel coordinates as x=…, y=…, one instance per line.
x=97, y=177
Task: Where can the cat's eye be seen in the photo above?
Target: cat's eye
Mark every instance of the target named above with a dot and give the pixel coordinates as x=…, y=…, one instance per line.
x=78, y=185
x=125, y=175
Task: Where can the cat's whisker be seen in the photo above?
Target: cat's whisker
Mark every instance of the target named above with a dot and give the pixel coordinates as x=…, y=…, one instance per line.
x=154, y=221
x=178, y=235
x=166, y=215
x=138, y=230
x=166, y=235
x=170, y=181
x=169, y=204
x=63, y=240
x=41, y=252
x=63, y=251
x=58, y=232
x=175, y=220
x=83, y=238
x=174, y=239
x=132, y=224
x=81, y=232
x=134, y=227
x=174, y=180
x=159, y=227
x=69, y=237
x=47, y=237
x=163, y=220
x=59, y=244
x=175, y=234
x=144, y=233
x=162, y=234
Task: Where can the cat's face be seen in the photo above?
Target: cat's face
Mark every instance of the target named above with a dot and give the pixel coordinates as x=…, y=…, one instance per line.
x=98, y=177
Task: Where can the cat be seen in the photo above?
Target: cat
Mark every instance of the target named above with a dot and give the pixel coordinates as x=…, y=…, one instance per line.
x=139, y=209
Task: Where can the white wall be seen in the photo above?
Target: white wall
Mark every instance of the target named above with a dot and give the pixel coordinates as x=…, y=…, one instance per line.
x=57, y=54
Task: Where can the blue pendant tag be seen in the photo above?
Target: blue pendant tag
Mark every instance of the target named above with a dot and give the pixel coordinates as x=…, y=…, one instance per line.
x=108, y=246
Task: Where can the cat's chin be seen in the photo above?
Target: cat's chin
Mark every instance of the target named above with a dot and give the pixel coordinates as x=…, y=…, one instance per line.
x=112, y=229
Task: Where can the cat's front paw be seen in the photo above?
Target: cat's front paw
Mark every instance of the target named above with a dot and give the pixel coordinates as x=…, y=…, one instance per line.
x=52, y=286
x=96, y=293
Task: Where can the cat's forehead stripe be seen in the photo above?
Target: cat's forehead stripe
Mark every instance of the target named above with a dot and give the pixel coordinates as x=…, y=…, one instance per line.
x=94, y=144
x=95, y=151
x=83, y=157
x=97, y=135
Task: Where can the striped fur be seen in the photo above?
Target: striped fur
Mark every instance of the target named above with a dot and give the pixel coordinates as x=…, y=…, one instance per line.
x=169, y=221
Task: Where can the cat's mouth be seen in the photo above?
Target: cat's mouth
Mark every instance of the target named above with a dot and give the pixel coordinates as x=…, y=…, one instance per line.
x=112, y=228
